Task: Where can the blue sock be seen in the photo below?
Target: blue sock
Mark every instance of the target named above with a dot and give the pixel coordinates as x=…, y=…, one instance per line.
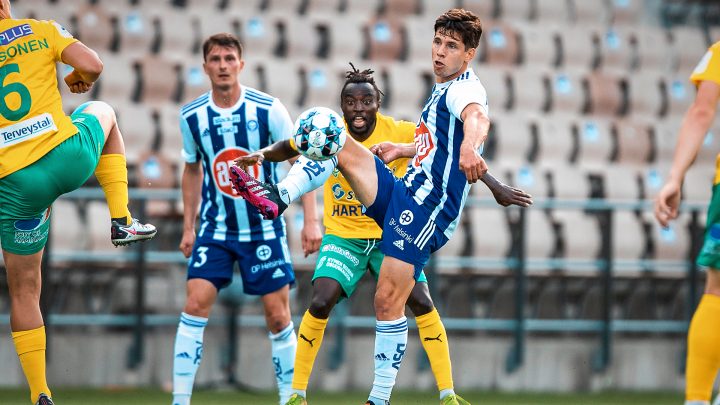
x=284, y=345
x=188, y=353
x=390, y=343
x=304, y=176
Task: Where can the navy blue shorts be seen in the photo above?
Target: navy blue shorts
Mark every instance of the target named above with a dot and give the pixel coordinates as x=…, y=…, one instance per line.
x=408, y=233
x=264, y=265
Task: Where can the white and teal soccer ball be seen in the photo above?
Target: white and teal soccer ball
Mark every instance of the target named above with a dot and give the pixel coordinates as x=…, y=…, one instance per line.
x=319, y=133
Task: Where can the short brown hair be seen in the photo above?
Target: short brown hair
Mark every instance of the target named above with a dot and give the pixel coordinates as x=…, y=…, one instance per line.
x=463, y=22
x=223, y=39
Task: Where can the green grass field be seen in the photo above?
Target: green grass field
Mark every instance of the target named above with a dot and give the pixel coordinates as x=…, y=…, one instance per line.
x=147, y=397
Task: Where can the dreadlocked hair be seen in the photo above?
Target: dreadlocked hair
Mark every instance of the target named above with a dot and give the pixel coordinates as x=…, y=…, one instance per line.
x=356, y=76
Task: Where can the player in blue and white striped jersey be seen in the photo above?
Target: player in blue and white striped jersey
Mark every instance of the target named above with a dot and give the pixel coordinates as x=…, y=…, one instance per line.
x=420, y=212
x=231, y=121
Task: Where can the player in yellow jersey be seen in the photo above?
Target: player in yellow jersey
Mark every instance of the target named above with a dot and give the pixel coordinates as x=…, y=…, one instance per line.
x=703, y=352
x=43, y=154
x=351, y=245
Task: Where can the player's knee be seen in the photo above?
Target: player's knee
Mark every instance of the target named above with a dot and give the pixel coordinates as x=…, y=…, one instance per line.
x=420, y=303
x=198, y=306
x=277, y=321
x=102, y=111
x=386, y=305
x=321, y=306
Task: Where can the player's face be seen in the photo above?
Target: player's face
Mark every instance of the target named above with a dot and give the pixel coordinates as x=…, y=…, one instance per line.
x=359, y=104
x=223, y=65
x=449, y=56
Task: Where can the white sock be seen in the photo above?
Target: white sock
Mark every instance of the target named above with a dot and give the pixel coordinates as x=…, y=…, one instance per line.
x=697, y=403
x=188, y=353
x=446, y=392
x=390, y=342
x=284, y=344
x=304, y=176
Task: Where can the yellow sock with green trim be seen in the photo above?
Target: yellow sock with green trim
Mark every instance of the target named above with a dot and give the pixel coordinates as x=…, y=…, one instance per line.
x=703, y=357
x=434, y=340
x=112, y=175
x=30, y=347
x=310, y=336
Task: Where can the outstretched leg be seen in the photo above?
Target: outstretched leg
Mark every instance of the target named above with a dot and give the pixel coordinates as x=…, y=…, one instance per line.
x=111, y=173
x=703, y=356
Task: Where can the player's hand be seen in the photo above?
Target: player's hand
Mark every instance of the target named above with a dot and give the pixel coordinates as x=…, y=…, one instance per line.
x=76, y=84
x=387, y=151
x=667, y=203
x=251, y=159
x=472, y=164
x=187, y=243
x=506, y=195
x=311, y=237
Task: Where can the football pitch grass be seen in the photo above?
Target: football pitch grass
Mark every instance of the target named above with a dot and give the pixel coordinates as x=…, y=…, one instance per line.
x=78, y=396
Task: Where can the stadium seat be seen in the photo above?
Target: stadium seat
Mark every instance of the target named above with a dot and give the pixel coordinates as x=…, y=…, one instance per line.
x=97, y=27
x=554, y=12
x=557, y=144
x=513, y=10
x=628, y=236
x=512, y=134
x=608, y=93
x=633, y=142
x=172, y=142
x=618, y=48
x=673, y=242
x=347, y=42
x=67, y=226
x=532, y=89
x=666, y=135
x=362, y=7
x=155, y=170
x=698, y=183
x=419, y=40
x=653, y=177
x=490, y=237
x=621, y=182
x=458, y=245
x=581, y=234
x=118, y=80
x=569, y=92
x=260, y=37
x=540, y=235
x=321, y=85
x=329, y=8
x=289, y=8
x=195, y=82
x=303, y=38
x=401, y=8
x=626, y=12
x=654, y=49
x=688, y=47
x=252, y=76
x=407, y=88
x=282, y=80
x=681, y=93
x=569, y=182
x=594, y=134
x=646, y=94
x=499, y=44
x=385, y=38
x=580, y=48
x=137, y=126
x=497, y=81
x=138, y=32
x=179, y=35
x=532, y=179
x=160, y=80
x=213, y=22
x=98, y=226
x=431, y=9
x=539, y=45
x=590, y=13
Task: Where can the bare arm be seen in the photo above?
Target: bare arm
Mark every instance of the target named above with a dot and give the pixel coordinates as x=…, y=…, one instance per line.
x=504, y=194
x=311, y=235
x=389, y=151
x=86, y=64
x=191, y=191
x=475, y=127
x=695, y=125
x=277, y=152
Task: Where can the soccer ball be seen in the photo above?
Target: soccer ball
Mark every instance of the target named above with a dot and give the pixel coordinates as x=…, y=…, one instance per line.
x=319, y=133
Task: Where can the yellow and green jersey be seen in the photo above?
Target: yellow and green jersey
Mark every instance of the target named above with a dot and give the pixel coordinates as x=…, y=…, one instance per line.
x=343, y=212
x=709, y=66
x=32, y=121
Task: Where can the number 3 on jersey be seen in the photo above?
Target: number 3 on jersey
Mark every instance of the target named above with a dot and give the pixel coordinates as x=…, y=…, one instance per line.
x=202, y=257
x=25, y=101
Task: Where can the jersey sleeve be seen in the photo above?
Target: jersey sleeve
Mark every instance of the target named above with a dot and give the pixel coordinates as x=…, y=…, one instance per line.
x=59, y=37
x=709, y=66
x=190, y=150
x=281, y=125
x=462, y=94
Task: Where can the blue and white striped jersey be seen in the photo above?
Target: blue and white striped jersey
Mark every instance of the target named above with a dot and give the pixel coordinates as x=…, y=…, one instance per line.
x=434, y=175
x=216, y=136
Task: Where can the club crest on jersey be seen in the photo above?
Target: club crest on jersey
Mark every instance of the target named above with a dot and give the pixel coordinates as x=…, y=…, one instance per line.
x=263, y=252
x=221, y=169
x=13, y=33
x=252, y=125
